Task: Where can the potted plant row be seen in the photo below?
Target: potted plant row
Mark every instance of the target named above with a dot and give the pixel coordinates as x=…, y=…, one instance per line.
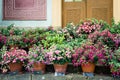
x=91, y=41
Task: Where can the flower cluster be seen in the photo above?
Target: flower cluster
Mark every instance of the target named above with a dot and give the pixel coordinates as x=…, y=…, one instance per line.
x=3, y=39
x=13, y=40
x=115, y=62
x=69, y=32
x=88, y=27
x=28, y=40
x=59, y=54
x=115, y=67
x=36, y=54
x=15, y=55
x=105, y=37
x=89, y=53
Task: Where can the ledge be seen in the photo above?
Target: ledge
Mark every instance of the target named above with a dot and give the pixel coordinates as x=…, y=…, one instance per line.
x=50, y=76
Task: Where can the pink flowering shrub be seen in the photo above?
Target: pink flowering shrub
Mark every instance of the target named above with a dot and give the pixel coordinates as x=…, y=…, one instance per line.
x=59, y=54
x=88, y=26
x=89, y=53
x=15, y=55
x=105, y=37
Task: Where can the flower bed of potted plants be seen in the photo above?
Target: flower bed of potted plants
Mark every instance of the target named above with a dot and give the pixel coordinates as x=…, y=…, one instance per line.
x=104, y=41
x=36, y=59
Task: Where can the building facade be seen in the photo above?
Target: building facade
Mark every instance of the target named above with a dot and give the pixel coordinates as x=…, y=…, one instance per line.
x=54, y=15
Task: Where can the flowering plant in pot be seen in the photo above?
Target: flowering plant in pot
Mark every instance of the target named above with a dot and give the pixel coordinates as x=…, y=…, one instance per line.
x=115, y=63
x=60, y=56
x=15, y=59
x=90, y=53
x=36, y=57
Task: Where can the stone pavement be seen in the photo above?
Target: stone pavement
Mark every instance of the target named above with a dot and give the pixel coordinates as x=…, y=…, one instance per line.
x=50, y=76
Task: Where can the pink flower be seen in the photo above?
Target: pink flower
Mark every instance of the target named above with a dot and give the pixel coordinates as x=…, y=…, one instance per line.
x=35, y=55
x=59, y=58
x=57, y=51
x=14, y=61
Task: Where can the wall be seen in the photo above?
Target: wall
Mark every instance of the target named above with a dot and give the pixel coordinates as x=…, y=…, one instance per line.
x=54, y=8
x=116, y=5
x=56, y=13
x=30, y=23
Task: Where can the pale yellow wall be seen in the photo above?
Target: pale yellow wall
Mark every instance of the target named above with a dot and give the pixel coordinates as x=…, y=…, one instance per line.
x=116, y=10
x=56, y=13
x=57, y=8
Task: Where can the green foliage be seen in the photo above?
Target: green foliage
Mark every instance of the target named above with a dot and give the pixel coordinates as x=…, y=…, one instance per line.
x=115, y=66
x=5, y=30
x=52, y=38
x=104, y=24
x=2, y=52
x=115, y=28
x=77, y=42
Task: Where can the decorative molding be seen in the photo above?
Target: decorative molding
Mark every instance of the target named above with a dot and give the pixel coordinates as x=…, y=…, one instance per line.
x=24, y=10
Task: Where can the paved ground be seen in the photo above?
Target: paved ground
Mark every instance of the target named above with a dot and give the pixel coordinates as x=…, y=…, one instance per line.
x=50, y=76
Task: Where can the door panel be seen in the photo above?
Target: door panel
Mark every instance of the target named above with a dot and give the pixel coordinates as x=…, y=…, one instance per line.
x=100, y=9
x=73, y=11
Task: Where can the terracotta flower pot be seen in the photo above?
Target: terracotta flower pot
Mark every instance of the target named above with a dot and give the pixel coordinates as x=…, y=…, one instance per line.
x=39, y=67
x=15, y=67
x=60, y=68
x=89, y=67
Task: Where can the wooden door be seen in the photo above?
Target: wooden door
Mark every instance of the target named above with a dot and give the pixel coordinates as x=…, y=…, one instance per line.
x=75, y=10
x=100, y=9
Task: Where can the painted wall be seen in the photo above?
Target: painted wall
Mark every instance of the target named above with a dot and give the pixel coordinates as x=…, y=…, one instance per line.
x=46, y=23
x=56, y=13
x=116, y=5
x=54, y=10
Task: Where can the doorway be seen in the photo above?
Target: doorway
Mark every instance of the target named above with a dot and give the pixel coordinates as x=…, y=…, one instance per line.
x=75, y=10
